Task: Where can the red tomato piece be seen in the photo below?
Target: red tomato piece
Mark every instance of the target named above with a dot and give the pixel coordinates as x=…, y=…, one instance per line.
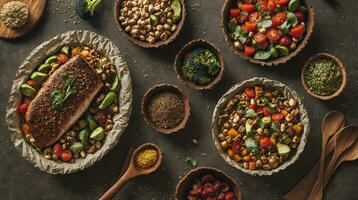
x=265, y=142
x=282, y=2
x=66, y=155
x=249, y=26
x=236, y=146
x=250, y=92
x=57, y=150
x=265, y=111
x=273, y=34
x=62, y=58
x=234, y=12
x=101, y=118
x=229, y=196
x=285, y=40
x=253, y=106
x=260, y=39
x=255, y=17
x=277, y=117
x=31, y=83
x=271, y=4
x=279, y=19
x=300, y=16
x=23, y=108
x=248, y=8
x=249, y=50
x=297, y=31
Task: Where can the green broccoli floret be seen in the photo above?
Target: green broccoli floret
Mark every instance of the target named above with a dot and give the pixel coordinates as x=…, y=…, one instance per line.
x=86, y=8
x=201, y=66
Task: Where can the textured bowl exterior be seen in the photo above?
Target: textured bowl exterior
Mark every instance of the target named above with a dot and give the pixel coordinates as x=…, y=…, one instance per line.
x=269, y=84
x=273, y=62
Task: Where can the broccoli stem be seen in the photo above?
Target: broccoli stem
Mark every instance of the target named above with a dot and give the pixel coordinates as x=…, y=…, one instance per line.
x=92, y=5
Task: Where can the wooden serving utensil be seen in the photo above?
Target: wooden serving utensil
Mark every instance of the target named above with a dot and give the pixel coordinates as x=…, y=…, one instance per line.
x=303, y=188
x=343, y=142
x=134, y=170
x=349, y=155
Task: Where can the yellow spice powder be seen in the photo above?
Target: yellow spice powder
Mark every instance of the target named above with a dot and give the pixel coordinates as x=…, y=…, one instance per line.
x=146, y=158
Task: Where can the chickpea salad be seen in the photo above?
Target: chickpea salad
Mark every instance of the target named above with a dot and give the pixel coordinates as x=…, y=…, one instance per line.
x=267, y=29
x=260, y=128
x=89, y=131
x=150, y=21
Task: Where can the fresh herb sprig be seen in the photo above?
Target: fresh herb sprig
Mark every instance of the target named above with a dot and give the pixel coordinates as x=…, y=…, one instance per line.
x=59, y=97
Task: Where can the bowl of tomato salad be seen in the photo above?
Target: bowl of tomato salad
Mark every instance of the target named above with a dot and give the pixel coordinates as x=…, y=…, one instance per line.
x=267, y=32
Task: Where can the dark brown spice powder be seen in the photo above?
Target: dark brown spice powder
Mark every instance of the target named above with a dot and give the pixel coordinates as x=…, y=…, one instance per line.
x=166, y=110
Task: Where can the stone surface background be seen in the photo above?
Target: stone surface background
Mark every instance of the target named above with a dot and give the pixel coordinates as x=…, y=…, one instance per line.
x=335, y=32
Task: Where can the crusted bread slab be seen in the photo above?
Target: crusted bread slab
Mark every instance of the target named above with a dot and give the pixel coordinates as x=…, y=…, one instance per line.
x=47, y=124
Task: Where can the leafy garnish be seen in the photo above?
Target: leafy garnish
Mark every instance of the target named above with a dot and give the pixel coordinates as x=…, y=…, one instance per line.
x=59, y=97
x=291, y=19
x=191, y=161
x=240, y=35
x=265, y=23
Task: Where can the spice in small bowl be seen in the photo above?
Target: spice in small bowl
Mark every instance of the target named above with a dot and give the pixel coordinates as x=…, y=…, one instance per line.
x=199, y=65
x=324, y=76
x=165, y=108
x=14, y=14
x=207, y=183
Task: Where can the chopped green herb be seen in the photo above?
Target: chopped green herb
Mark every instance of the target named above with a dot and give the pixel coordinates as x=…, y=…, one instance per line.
x=191, y=161
x=59, y=97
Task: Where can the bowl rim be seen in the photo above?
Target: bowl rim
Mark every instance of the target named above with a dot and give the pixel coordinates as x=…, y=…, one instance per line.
x=158, y=88
x=270, y=84
x=274, y=62
x=188, y=47
x=212, y=169
x=333, y=59
x=143, y=44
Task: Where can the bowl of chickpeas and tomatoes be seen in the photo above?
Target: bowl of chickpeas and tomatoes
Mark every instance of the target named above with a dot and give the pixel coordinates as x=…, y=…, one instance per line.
x=260, y=126
x=267, y=32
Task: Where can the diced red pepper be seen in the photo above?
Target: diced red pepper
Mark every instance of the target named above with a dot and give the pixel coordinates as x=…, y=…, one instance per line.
x=277, y=117
x=250, y=92
x=265, y=111
x=62, y=58
x=253, y=106
x=23, y=108
x=249, y=26
x=234, y=12
x=265, y=142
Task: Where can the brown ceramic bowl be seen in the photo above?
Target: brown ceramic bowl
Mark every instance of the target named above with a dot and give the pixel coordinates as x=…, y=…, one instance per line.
x=144, y=44
x=184, y=185
x=189, y=47
x=163, y=88
x=271, y=62
x=334, y=60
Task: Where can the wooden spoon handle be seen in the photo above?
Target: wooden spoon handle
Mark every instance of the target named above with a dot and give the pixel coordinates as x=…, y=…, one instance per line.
x=117, y=186
x=330, y=170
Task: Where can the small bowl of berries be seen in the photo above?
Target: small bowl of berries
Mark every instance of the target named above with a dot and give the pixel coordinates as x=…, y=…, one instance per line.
x=267, y=32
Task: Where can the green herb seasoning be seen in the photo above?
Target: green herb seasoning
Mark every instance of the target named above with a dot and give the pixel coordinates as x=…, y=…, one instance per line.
x=14, y=14
x=323, y=77
x=200, y=66
x=60, y=96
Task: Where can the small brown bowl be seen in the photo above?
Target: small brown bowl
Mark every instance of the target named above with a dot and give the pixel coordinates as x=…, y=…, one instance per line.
x=274, y=62
x=184, y=185
x=158, y=89
x=179, y=63
x=334, y=60
x=144, y=44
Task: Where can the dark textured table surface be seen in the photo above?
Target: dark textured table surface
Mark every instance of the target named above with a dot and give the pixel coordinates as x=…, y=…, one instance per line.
x=335, y=32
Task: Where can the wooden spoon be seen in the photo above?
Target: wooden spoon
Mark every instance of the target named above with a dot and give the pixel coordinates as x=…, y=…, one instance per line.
x=133, y=170
x=349, y=155
x=303, y=188
x=343, y=142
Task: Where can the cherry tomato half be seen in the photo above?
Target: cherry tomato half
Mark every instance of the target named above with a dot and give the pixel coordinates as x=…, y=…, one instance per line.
x=66, y=155
x=260, y=39
x=265, y=111
x=265, y=142
x=23, y=108
x=279, y=19
x=249, y=50
x=57, y=149
x=248, y=8
x=273, y=34
x=300, y=16
x=249, y=26
x=62, y=58
x=234, y=12
x=297, y=31
x=250, y=92
x=282, y=2
x=271, y=4
x=285, y=40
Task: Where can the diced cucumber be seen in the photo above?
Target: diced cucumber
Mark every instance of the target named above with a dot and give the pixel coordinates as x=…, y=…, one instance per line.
x=76, y=147
x=251, y=144
x=283, y=149
x=176, y=6
x=92, y=124
x=283, y=50
x=97, y=134
x=84, y=135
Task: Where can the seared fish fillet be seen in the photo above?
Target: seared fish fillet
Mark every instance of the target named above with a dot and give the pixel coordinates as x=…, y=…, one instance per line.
x=47, y=124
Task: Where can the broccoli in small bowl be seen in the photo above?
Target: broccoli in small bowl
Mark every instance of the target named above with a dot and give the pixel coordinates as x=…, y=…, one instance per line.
x=200, y=66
